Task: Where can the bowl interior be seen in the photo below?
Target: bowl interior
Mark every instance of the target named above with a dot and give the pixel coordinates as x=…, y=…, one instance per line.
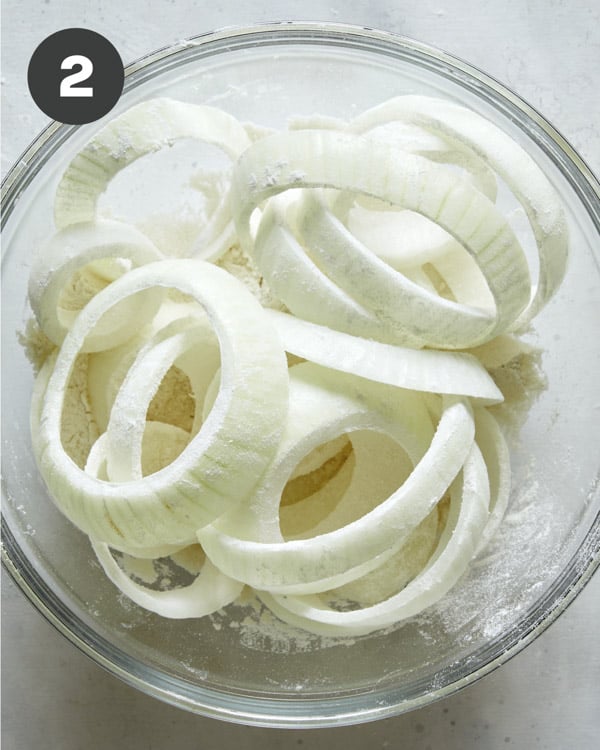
x=231, y=665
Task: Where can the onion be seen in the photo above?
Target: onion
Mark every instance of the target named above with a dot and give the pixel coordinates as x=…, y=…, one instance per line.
x=471, y=133
x=71, y=250
x=247, y=544
x=294, y=277
x=225, y=459
x=420, y=370
x=494, y=450
x=143, y=129
x=335, y=160
x=467, y=518
x=402, y=284
x=209, y=591
x=125, y=429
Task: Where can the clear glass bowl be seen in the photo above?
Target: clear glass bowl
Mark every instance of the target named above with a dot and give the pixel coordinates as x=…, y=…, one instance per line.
x=551, y=538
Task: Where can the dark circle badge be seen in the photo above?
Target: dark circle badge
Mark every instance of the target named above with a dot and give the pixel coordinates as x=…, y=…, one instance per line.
x=75, y=76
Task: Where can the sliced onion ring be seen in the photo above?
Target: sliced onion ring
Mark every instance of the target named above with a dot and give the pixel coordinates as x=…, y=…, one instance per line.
x=209, y=591
x=143, y=129
x=72, y=249
x=247, y=545
x=494, y=450
x=224, y=460
x=389, y=293
x=294, y=277
x=467, y=518
x=469, y=131
x=420, y=370
x=126, y=425
x=345, y=162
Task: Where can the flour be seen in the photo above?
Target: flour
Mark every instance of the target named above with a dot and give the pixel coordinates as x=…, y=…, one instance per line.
x=259, y=630
x=239, y=264
x=83, y=285
x=36, y=344
x=174, y=402
x=78, y=430
x=521, y=380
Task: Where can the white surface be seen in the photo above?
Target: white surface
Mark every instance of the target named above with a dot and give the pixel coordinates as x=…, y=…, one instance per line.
x=548, y=697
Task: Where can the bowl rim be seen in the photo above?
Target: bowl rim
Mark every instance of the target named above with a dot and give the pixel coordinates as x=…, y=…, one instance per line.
x=319, y=712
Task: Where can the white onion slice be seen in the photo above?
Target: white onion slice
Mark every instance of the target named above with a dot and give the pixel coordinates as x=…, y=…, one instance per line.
x=494, y=450
x=143, y=129
x=224, y=460
x=107, y=369
x=324, y=404
x=413, y=245
x=405, y=239
x=186, y=232
x=125, y=430
x=374, y=469
x=420, y=370
x=456, y=547
x=335, y=160
x=316, y=458
x=294, y=277
x=393, y=575
x=311, y=500
x=463, y=278
x=467, y=130
x=402, y=239
x=72, y=249
x=96, y=461
x=392, y=297
x=95, y=466
x=421, y=141
x=38, y=394
x=209, y=591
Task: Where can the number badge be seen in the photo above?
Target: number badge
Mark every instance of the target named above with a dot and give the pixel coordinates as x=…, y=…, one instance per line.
x=75, y=76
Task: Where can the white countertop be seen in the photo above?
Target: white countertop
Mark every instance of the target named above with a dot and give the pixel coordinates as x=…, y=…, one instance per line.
x=549, y=695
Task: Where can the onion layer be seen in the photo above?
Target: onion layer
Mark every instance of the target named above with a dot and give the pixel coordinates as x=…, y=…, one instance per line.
x=70, y=251
x=308, y=159
x=247, y=544
x=226, y=458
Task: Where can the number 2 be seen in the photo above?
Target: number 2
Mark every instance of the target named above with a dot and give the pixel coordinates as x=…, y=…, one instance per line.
x=87, y=68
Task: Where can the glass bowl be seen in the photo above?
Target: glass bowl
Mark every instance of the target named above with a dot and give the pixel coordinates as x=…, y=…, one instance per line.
x=226, y=666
